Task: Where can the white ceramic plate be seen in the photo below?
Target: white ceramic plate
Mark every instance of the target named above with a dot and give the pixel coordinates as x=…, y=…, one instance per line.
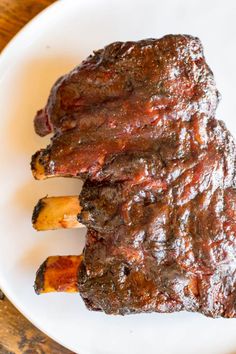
x=49, y=46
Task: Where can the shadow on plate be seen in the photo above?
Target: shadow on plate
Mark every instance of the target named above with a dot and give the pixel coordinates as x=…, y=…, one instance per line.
x=40, y=251
x=31, y=191
x=35, y=81
x=30, y=89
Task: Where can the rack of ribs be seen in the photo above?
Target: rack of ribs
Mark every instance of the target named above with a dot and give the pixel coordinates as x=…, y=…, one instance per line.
x=136, y=122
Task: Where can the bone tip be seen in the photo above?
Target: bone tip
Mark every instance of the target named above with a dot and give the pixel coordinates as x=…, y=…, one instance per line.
x=36, y=212
x=39, y=279
x=37, y=167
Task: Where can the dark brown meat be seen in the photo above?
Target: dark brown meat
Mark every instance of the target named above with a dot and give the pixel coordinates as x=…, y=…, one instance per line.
x=137, y=122
x=134, y=96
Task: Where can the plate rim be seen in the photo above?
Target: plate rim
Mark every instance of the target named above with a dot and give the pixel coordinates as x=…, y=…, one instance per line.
x=5, y=64
x=18, y=38
x=5, y=55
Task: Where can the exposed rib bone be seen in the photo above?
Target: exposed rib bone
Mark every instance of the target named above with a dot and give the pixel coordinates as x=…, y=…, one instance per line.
x=58, y=274
x=52, y=213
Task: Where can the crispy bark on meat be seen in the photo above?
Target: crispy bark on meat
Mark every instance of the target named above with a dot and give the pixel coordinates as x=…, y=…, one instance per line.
x=136, y=121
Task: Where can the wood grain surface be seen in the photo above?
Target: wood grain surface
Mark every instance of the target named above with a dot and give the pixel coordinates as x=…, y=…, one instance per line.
x=17, y=334
x=14, y=14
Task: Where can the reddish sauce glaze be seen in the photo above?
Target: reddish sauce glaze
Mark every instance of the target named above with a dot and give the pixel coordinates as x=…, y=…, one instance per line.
x=136, y=121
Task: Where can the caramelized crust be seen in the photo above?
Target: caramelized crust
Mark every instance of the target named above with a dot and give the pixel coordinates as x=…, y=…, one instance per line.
x=136, y=121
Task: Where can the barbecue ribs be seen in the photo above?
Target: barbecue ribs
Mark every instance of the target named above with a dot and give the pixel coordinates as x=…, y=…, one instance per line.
x=136, y=121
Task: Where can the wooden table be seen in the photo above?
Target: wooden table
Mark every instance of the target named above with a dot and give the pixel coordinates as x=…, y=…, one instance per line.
x=18, y=335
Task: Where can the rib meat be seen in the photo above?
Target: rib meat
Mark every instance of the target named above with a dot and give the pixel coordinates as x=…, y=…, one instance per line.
x=136, y=121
